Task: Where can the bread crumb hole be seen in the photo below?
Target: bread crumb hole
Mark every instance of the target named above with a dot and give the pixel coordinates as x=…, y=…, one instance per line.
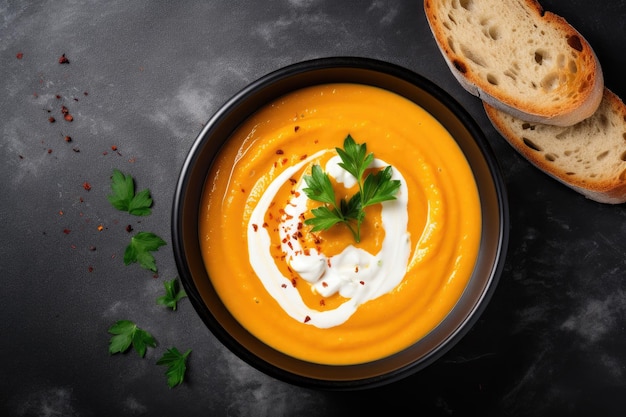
x=472, y=56
x=550, y=82
x=575, y=43
x=492, y=79
x=466, y=4
x=602, y=155
x=451, y=18
x=532, y=145
x=622, y=176
x=494, y=33
x=623, y=156
x=573, y=68
x=550, y=157
x=540, y=55
x=570, y=173
x=460, y=66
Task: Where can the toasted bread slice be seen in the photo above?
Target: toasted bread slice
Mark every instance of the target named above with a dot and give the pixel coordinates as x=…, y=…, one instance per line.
x=589, y=157
x=518, y=58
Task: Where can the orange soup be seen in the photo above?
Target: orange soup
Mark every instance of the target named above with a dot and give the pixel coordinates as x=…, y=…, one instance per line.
x=322, y=296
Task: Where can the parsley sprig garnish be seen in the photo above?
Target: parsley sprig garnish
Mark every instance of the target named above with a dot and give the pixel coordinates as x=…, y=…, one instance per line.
x=373, y=189
x=176, y=363
x=123, y=195
x=126, y=333
x=173, y=294
x=139, y=250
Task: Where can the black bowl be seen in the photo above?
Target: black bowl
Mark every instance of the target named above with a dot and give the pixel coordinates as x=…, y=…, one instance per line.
x=322, y=71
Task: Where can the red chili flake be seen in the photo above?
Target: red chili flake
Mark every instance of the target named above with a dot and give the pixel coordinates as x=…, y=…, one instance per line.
x=64, y=109
x=90, y=268
x=296, y=128
x=307, y=318
x=67, y=231
x=100, y=228
x=265, y=225
x=255, y=227
x=51, y=119
x=58, y=97
x=129, y=228
x=49, y=150
x=243, y=190
x=285, y=160
x=362, y=282
x=68, y=117
x=86, y=93
x=303, y=157
x=86, y=186
x=284, y=285
x=68, y=139
x=324, y=284
x=105, y=153
x=322, y=302
x=63, y=59
x=293, y=181
x=61, y=212
x=356, y=268
x=114, y=148
x=19, y=55
x=327, y=262
x=279, y=152
x=293, y=282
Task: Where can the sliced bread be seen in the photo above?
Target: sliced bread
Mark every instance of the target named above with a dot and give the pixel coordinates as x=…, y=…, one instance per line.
x=589, y=157
x=518, y=58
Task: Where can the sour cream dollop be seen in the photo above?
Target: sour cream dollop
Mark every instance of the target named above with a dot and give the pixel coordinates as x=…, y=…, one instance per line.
x=354, y=273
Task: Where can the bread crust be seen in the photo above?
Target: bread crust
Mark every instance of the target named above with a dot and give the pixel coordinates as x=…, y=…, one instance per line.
x=589, y=157
x=568, y=89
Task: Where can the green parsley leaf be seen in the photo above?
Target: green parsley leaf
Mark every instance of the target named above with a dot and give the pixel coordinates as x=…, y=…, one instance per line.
x=176, y=366
x=319, y=186
x=353, y=157
x=324, y=219
x=379, y=187
x=124, y=197
x=376, y=188
x=139, y=250
x=173, y=294
x=126, y=333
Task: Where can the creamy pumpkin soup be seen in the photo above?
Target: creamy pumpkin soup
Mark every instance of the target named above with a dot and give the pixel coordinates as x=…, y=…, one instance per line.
x=341, y=292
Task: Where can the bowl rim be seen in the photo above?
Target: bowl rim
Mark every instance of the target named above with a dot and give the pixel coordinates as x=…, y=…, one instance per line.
x=296, y=72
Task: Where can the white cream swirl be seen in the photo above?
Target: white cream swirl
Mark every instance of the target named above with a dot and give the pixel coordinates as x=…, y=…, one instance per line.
x=354, y=273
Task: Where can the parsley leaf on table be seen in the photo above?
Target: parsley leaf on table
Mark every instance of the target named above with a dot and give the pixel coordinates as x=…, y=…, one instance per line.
x=124, y=197
x=139, y=250
x=173, y=294
x=375, y=189
x=126, y=333
x=176, y=365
